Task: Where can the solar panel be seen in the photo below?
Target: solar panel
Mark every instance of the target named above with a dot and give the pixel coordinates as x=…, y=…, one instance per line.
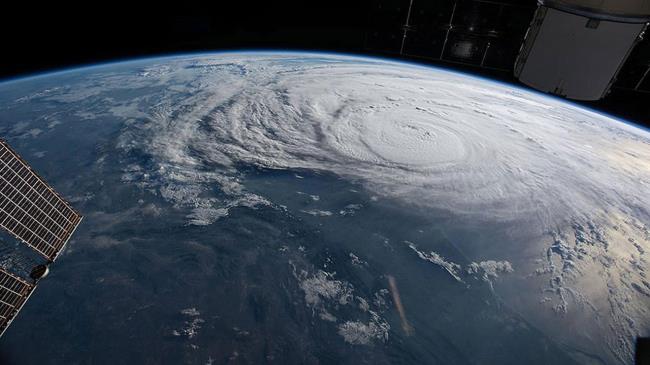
x=13, y=295
x=30, y=209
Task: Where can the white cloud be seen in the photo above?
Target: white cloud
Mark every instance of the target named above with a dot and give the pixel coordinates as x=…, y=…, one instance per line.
x=451, y=267
x=489, y=269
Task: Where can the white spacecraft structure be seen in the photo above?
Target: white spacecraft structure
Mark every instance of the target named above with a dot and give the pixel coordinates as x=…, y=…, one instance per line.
x=35, y=214
x=575, y=48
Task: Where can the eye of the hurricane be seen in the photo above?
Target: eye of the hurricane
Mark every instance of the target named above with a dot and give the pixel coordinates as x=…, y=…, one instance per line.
x=416, y=142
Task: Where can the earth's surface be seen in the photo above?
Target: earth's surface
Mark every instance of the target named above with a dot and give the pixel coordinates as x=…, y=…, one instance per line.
x=273, y=207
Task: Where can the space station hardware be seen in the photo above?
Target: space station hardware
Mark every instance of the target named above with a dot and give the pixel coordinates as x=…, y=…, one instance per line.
x=35, y=214
x=575, y=48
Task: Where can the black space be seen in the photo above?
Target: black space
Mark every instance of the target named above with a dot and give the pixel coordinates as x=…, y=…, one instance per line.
x=38, y=37
x=59, y=37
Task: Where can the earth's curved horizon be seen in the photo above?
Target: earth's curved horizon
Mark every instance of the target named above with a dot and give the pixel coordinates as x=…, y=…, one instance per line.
x=267, y=206
x=27, y=76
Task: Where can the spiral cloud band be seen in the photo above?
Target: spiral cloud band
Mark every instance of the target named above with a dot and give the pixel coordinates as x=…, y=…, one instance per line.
x=427, y=136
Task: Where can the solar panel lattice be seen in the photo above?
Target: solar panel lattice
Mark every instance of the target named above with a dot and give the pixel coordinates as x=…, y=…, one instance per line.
x=13, y=295
x=30, y=209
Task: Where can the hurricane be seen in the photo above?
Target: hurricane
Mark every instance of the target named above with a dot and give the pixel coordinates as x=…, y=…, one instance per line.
x=428, y=136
